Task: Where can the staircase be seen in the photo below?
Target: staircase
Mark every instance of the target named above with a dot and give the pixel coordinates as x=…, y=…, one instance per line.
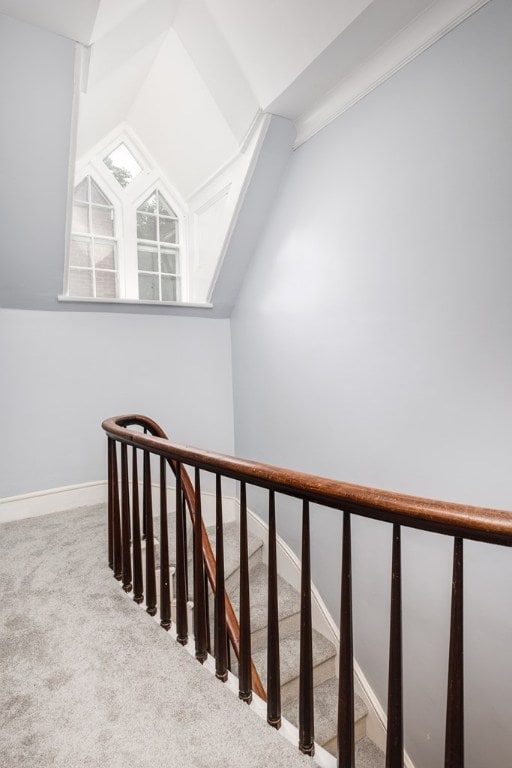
x=368, y=755
x=144, y=439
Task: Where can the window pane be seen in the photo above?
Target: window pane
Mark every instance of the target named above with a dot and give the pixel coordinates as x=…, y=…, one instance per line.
x=80, y=218
x=104, y=255
x=105, y=284
x=149, y=205
x=148, y=287
x=164, y=208
x=170, y=261
x=80, y=282
x=148, y=259
x=123, y=165
x=97, y=195
x=168, y=230
x=102, y=221
x=80, y=255
x=82, y=191
x=146, y=226
x=169, y=288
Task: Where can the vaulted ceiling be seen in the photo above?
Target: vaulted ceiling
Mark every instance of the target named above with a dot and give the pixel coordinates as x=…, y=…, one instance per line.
x=190, y=76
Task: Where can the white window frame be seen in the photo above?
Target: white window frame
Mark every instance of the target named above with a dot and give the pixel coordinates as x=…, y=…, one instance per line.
x=116, y=205
x=125, y=201
x=159, y=243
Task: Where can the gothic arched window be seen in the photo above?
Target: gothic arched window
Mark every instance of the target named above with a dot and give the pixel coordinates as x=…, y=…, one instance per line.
x=93, y=269
x=158, y=250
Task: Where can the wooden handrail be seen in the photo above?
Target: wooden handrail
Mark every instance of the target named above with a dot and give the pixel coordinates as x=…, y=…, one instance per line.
x=232, y=624
x=480, y=524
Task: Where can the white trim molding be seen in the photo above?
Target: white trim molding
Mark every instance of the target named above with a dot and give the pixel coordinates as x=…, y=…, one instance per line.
x=52, y=500
x=436, y=21
x=89, y=494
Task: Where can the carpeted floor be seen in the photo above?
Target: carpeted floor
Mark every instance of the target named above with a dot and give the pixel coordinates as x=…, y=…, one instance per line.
x=88, y=679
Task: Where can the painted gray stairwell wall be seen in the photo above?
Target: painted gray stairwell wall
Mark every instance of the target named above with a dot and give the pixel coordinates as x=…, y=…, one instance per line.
x=372, y=342
x=63, y=372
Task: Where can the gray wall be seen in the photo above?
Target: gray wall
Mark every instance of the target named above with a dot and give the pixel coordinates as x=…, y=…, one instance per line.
x=63, y=373
x=36, y=93
x=372, y=343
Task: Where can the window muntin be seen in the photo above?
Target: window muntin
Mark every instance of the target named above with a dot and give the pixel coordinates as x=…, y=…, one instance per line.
x=93, y=258
x=158, y=250
x=122, y=165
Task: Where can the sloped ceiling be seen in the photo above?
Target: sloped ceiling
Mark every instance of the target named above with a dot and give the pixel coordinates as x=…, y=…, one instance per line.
x=106, y=103
x=281, y=56
x=275, y=41
x=70, y=18
x=111, y=13
x=176, y=117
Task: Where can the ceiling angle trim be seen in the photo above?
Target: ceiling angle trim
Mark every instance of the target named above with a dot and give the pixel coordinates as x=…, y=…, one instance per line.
x=435, y=22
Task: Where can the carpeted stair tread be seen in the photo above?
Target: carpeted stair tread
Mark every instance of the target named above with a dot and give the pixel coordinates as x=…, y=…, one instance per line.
x=171, y=535
x=289, y=598
x=289, y=647
x=231, y=543
x=368, y=755
x=232, y=546
x=326, y=710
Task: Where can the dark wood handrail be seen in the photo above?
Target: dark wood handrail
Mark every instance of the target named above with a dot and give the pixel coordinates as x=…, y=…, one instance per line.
x=121, y=424
x=493, y=526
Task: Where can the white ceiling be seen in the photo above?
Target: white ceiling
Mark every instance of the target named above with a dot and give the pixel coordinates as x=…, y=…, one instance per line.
x=111, y=13
x=275, y=40
x=71, y=18
x=179, y=122
x=191, y=75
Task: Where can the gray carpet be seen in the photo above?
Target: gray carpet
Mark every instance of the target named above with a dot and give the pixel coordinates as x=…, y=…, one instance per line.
x=88, y=679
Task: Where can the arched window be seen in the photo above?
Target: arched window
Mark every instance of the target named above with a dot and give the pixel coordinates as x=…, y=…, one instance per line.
x=93, y=260
x=128, y=229
x=158, y=250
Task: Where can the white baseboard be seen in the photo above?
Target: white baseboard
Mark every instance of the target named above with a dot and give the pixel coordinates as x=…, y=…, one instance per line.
x=52, y=500
x=87, y=494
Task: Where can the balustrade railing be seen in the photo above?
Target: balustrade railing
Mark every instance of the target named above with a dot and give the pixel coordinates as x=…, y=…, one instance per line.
x=125, y=558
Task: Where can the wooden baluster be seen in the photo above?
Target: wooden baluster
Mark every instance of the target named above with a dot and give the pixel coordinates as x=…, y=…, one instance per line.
x=306, y=700
x=150, y=539
x=138, y=595
x=207, y=612
x=346, y=746
x=116, y=521
x=273, y=661
x=244, y=662
x=110, y=505
x=220, y=632
x=143, y=512
x=454, y=744
x=181, y=581
x=125, y=520
x=395, y=734
x=193, y=567
x=165, y=588
x=199, y=591
x=185, y=536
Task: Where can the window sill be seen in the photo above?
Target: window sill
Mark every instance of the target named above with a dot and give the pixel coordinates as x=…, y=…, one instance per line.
x=136, y=302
